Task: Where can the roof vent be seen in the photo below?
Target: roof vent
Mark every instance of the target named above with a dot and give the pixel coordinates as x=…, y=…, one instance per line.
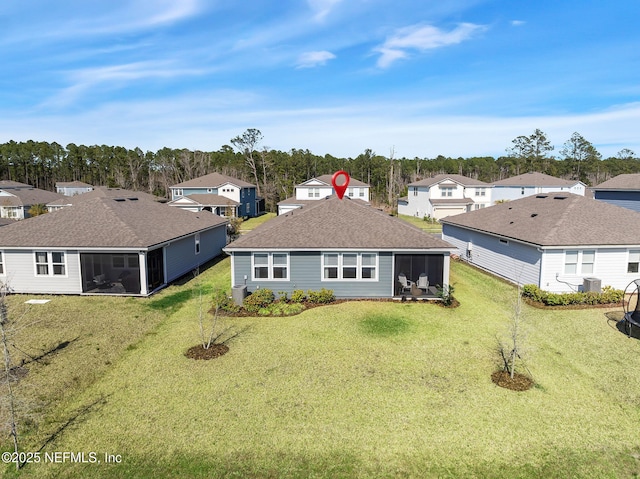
x=510, y=222
x=133, y=199
x=541, y=196
x=119, y=199
x=559, y=197
x=533, y=215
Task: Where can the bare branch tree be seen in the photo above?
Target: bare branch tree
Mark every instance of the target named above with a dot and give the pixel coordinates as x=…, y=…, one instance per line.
x=247, y=144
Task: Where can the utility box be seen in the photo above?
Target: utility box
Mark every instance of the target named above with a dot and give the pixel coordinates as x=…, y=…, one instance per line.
x=592, y=284
x=238, y=293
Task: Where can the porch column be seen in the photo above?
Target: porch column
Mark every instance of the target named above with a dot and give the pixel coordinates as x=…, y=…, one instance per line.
x=142, y=261
x=445, y=270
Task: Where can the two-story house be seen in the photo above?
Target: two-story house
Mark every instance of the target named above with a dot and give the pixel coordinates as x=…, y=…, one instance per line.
x=533, y=183
x=444, y=195
x=72, y=188
x=219, y=194
x=621, y=190
x=319, y=188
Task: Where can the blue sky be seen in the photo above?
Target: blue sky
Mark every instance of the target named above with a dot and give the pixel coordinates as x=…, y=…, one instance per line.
x=456, y=77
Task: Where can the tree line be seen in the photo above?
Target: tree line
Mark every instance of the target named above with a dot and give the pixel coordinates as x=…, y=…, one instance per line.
x=275, y=172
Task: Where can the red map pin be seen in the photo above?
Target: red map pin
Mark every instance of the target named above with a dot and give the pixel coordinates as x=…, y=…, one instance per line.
x=340, y=181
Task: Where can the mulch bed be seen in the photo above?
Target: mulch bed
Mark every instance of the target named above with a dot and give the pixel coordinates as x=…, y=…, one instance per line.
x=520, y=382
x=214, y=351
x=539, y=305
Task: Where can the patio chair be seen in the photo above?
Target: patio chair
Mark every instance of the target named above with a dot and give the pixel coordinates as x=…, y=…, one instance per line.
x=404, y=282
x=423, y=283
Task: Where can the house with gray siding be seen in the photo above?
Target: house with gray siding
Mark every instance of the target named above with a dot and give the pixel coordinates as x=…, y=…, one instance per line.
x=533, y=183
x=120, y=245
x=621, y=190
x=561, y=242
x=343, y=245
x=218, y=194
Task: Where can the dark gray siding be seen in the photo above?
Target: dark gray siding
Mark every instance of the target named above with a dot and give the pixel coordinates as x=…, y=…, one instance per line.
x=305, y=272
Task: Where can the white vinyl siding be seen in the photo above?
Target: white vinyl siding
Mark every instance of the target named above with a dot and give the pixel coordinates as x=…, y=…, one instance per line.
x=350, y=266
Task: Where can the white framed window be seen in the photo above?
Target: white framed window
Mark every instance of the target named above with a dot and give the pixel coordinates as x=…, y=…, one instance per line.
x=177, y=192
x=522, y=191
x=415, y=191
x=349, y=267
x=197, y=242
x=579, y=262
x=1, y=264
x=361, y=193
x=50, y=263
x=633, y=265
x=314, y=192
x=350, y=192
x=481, y=192
x=270, y=266
x=447, y=190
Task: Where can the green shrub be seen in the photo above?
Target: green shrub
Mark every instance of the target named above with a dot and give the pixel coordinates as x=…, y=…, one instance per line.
x=298, y=296
x=284, y=296
x=609, y=295
x=324, y=296
x=224, y=302
x=281, y=309
x=260, y=298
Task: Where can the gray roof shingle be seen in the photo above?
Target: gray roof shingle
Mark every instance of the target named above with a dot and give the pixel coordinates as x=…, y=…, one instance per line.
x=535, y=179
x=463, y=180
x=555, y=219
x=212, y=180
x=335, y=223
x=326, y=179
x=104, y=192
x=629, y=181
x=107, y=223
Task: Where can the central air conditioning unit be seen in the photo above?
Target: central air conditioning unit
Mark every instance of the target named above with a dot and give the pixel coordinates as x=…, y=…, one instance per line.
x=592, y=284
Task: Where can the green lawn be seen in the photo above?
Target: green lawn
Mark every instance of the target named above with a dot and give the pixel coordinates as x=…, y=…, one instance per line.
x=359, y=389
x=252, y=223
x=424, y=225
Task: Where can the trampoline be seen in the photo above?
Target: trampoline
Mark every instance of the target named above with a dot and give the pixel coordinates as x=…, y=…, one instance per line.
x=631, y=306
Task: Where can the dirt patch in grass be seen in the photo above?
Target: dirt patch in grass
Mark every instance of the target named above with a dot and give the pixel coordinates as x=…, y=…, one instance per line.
x=519, y=382
x=214, y=351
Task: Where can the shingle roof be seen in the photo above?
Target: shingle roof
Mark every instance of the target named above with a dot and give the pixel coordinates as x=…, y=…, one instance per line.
x=326, y=179
x=535, y=179
x=335, y=223
x=212, y=200
x=13, y=184
x=555, y=219
x=108, y=223
x=212, y=180
x=292, y=200
x=73, y=184
x=451, y=201
x=104, y=192
x=629, y=181
x=26, y=196
x=463, y=180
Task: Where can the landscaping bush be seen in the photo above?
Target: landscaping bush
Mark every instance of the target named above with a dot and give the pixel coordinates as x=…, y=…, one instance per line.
x=609, y=295
x=281, y=309
x=260, y=298
x=324, y=296
x=298, y=296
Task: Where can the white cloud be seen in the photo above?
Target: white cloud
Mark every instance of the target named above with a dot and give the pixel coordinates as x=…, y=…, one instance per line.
x=314, y=59
x=517, y=23
x=322, y=8
x=422, y=38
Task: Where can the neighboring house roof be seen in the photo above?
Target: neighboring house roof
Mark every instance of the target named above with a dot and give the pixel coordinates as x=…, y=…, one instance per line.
x=535, y=179
x=213, y=180
x=451, y=201
x=555, y=219
x=207, y=199
x=335, y=223
x=326, y=179
x=73, y=184
x=28, y=196
x=7, y=221
x=462, y=180
x=13, y=184
x=629, y=181
x=292, y=200
x=104, y=192
x=107, y=223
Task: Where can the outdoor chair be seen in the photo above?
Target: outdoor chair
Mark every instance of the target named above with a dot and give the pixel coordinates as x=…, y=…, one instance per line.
x=404, y=282
x=423, y=283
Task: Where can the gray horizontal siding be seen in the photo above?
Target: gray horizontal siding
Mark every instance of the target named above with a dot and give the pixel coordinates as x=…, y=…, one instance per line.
x=515, y=261
x=625, y=199
x=20, y=276
x=181, y=257
x=305, y=272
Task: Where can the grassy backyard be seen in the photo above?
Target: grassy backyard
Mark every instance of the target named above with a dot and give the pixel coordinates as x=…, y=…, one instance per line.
x=357, y=389
x=423, y=225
